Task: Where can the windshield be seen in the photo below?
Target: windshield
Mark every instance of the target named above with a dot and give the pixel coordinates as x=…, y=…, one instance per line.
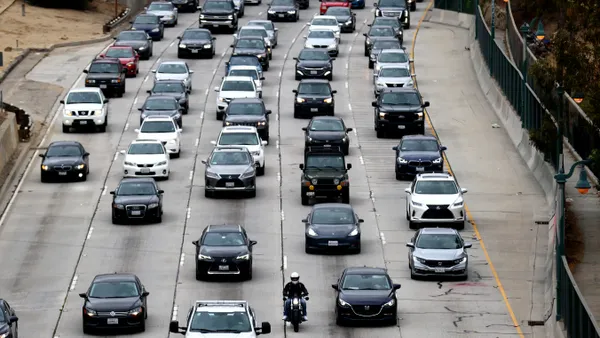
x=436, y=188
x=386, y=22
x=157, y=127
x=325, y=162
x=83, y=97
x=146, y=19
x=394, y=72
x=2, y=317
x=324, y=22
x=391, y=3
x=119, y=53
x=103, y=67
x=220, y=321
x=230, y=158
x=160, y=7
x=393, y=57
x=244, y=60
x=321, y=35
x=382, y=31
x=238, y=86
x=419, y=145
x=244, y=72
x=387, y=45
x=317, y=55
x=254, y=32
x=238, y=139
x=146, y=149
x=63, y=151
x=439, y=241
x=332, y=216
x=223, y=239
x=136, y=189
x=337, y=11
x=114, y=290
x=218, y=5
x=161, y=104
x=314, y=89
x=282, y=3
x=366, y=282
x=267, y=25
x=327, y=125
x=250, y=43
x=172, y=68
x=400, y=99
x=195, y=35
x=165, y=87
x=245, y=109
x=132, y=35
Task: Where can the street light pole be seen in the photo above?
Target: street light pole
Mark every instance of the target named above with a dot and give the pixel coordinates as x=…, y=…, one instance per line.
x=524, y=29
x=560, y=91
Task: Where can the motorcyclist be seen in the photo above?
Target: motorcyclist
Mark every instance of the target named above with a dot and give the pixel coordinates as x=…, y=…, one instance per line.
x=294, y=289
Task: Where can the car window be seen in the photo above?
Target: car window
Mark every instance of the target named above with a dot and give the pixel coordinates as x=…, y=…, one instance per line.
x=326, y=125
x=220, y=321
x=218, y=5
x=63, y=151
x=439, y=241
x=332, y=216
x=3, y=318
x=314, y=89
x=238, y=139
x=119, y=53
x=250, y=43
x=103, y=67
x=400, y=99
x=136, y=189
x=132, y=35
x=172, y=68
x=230, y=158
x=386, y=45
x=244, y=72
x=165, y=87
x=223, y=239
x=195, y=35
x=114, y=290
x=317, y=55
x=394, y=72
x=146, y=19
x=237, y=86
x=393, y=57
x=328, y=161
x=244, y=60
x=382, y=31
x=321, y=34
x=432, y=187
x=366, y=282
x=160, y=7
x=161, y=104
x=324, y=22
x=158, y=127
x=83, y=97
x=245, y=109
x=419, y=145
x=254, y=32
x=146, y=149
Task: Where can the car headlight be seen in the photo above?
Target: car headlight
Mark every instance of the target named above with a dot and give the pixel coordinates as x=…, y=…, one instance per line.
x=156, y=30
x=419, y=259
x=312, y=232
x=70, y=113
x=248, y=173
x=173, y=141
x=390, y=303
x=437, y=160
x=201, y=16
x=211, y=174
x=460, y=260
x=255, y=153
x=99, y=112
x=291, y=12
x=152, y=205
x=115, y=80
x=142, y=48
x=45, y=167
x=458, y=204
x=221, y=99
x=80, y=166
x=343, y=303
x=91, y=312
x=328, y=100
x=129, y=163
x=416, y=204
x=380, y=84
x=309, y=139
x=377, y=12
x=90, y=81
x=161, y=163
x=271, y=11
x=209, y=46
x=228, y=123
x=136, y=311
x=182, y=45
x=262, y=123
x=382, y=115
x=300, y=100
x=333, y=45
x=308, y=45
x=119, y=206
x=410, y=84
x=243, y=257
x=314, y=181
x=349, y=21
x=230, y=17
x=419, y=116
x=204, y=257
x=402, y=161
x=354, y=232
x=336, y=181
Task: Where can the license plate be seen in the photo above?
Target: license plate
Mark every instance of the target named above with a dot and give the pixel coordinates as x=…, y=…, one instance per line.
x=215, y=25
x=103, y=86
x=281, y=15
x=194, y=51
x=230, y=184
x=314, y=110
x=136, y=213
x=327, y=146
x=62, y=173
x=145, y=171
x=401, y=127
x=112, y=321
x=332, y=243
x=310, y=193
x=223, y=267
x=420, y=169
x=439, y=270
x=82, y=122
x=313, y=72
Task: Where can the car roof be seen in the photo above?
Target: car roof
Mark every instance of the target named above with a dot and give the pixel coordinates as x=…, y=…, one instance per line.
x=314, y=50
x=250, y=38
x=435, y=177
x=238, y=129
x=418, y=137
x=145, y=14
x=161, y=2
x=195, y=29
x=365, y=270
x=85, y=90
x=261, y=21
x=332, y=205
x=394, y=65
x=138, y=180
x=224, y=228
x=385, y=38
x=247, y=100
x=169, y=81
x=238, y=78
x=439, y=231
x=159, y=97
x=109, y=277
x=230, y=149
x=313, y=81
x=64, y=143
x=120, y=47
x=324, y=17
x=399, y=90
x=253, y=27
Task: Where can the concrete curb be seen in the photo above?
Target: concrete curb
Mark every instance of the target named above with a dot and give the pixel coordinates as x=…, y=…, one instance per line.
x=450, y=18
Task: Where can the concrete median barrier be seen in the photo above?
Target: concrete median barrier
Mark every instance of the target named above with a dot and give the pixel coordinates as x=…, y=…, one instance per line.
x=9, y=140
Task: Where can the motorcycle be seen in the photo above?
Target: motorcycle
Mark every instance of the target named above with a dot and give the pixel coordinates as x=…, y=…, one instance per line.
x=295, y=313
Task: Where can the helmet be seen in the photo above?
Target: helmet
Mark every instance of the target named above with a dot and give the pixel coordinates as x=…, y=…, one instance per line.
x=295, y=277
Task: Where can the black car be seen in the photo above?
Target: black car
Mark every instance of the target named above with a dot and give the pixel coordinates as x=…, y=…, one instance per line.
x=284, y=10
x=218, y=14
x=382, y=21
x=314, y=63
x=196, y=42
x=248, y=112
x=151, y=24
x=380, y=44
x=332, y=226
x=224, y=250
x=252, y=46
x=137, y=199
x=230, y=169
x=140, y=41
x=418, y=153
x=174, y=88
x=345, y=17
x=115, y=301
x=65, y=159
x=243, y=60
x=186, y=5
x=159, y=105
x=327, y=131
x=393, y=9
x=399, y=110
x=314, y=97
x=324, y=175
x=8, y=321
x=107, y=74
x=365, y=294
x=378, y=32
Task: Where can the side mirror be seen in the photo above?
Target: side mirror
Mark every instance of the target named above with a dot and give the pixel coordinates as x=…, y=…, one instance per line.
x=364, y=34
x=231, y=45
x=191, y=71
x=252, y=243
x=174, y=326
x=334, y=92
x=276, y=29
x=213, y=142
x=160, y=191
x=101, y=55
x=464, y=191
x=348, y=166
x=360, y=220
x=131, y=22
x=295, y=59
x=301, y=166
x=62, y=101
x=123, y=152
x=149, y=38
x=335, y=286
x=204, y=162
x=136, y=130
x=374, y=103
x=213, y=38
x=199, y=8
x=140, y=109
x=413, y=75
x=468, y=245
x=269, y=112
x=306, y=37
x=294, y=91
x=112, y=192
x=82, y=295
x=114, y=37
x=179, y=38
x=106, y=100
x=370, y=25
x=425, y=104
x=395, y=148
x=149, y=91
x=13, y=319
x=86, y=154
x=264, y=143
x=304, y=128
x=124, y=70
x=216, y=89
x=195, y=243
x=407, y=190
x=305, y=220
x=42, y=155
x=265, y=328
x=332, y=59
x=85, y=71
x=411, y=60
x=397, y=286
x=262, y=79
x=349, y=130
x=145, y=294
x=153, y=70
x=410, y=245
x=442, y=148
x=179, y=130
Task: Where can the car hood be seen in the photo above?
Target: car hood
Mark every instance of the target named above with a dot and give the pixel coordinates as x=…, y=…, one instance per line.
x=83, y=106
x=160, y=112
x=335, y=3
x=313, y=96
x=394, y=79
x=393, y=64
x=437, y=199
x=113, y=304
x=282, y=8
x=237, y=95
x=144, y=26
x=157, y=136
x=420, y=155
x=334, y=230
x=250, y=148
x=312, y=63
x=366, y=297
x=161, y=13
x=144, y=159
x=224, y=251
x=342, y=18
x=169, y=76
x=245, y=118
x=131, y=43
x=102, y=76
x=136, y=199
x=190, y=334
x=313, y=41
x=438, y=254
x=195, y=42
x=327, y=135
x=252, y=51
x=218, y=12
x=224, y=170
x=400, y=109
x=327, y=173
x=50, y=161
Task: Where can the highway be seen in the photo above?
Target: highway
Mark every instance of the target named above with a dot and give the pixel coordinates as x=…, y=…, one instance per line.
x=56, y=237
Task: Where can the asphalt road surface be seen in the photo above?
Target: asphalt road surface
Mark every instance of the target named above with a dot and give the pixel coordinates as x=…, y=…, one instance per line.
x=56, y=237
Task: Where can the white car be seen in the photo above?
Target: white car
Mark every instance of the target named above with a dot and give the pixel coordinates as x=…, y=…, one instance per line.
x=235, y=136
x=435, y=199
x=85, y=107
x=146, y=158
x=234, y=87
x=321, y=22
x=392, y=57
x=163, y=129
x=392, y=77
x=174, y=70
x=250, y=71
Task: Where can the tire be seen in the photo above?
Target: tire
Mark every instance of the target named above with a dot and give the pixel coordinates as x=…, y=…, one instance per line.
x=87, y=330
x=357, y=250
x=219, y=116
x=371, y=63
x=298, y=77
x=84, y=178
x=338, y=321
x=66, y=129
x=266, y=68
x=207, y=193
x=346, y=150
x=304, y=200
x=43, y=178
x=346, y=197
x=102, y=128
x=159, y=218
x=177, y=154
x=412, y=275
x=398, y=176
x=248, y=275
x=260, y=171
x=179, y=55
x=199, y=276
x=296, y=327
x=460, y=226
x=252, y=194
x=366, y=52
x=307, y=249
x=143, y=326
x=413, y=7
x=380, y=134
x=115, y=221
x=412, y=225
x=330, y=77
x=296, y=114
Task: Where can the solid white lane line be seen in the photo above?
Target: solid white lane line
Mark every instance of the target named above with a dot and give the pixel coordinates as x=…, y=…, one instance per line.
x=189, y=213
x=197, y=140
x=104, y=190
x=362, y=160
x=182, y=259
x=277, y=93
x=175, y=310
x=126, y=126
x=284, y=262
x=356, y=34
x=277, y=117
x=350, y=49
x=191, y=174
x=73, y=283
x=222, y=55
x=89, y=235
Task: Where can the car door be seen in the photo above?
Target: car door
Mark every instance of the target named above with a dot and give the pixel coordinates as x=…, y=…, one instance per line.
x=86, y=158
x=105, y=102
x=9, y=312
x=409, y=197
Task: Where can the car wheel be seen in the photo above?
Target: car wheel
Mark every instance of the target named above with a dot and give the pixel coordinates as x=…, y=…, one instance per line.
x=307, y=249
x=413, y=7
x=460, y=226
x=102, y=128
x=399, y=178
x=84, y=177
x=43, y=178
x=143, y=326
x=159, y=218
x=249, y=273
x=380, y=134
x=412, y=225
x=207, y=194
x=115, y=221
x=412, y=274
x=346, y=150
x=357, y=250
x=371, y=64
x=260, y=171
x=252, y=194
x=329, y=77
x=179, y=55
x=66, y=129
x=219, y=116
x=296, y=114
x=366, y=51
x=87, y=330
x=304, y=199
x=199, y=276
x=177, y=154
x=346, y=197
x=298, y=77
x=339, y=321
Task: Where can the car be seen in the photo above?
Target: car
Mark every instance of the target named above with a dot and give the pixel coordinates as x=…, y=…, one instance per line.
x=174, y=88
x=394, y=9
x=327, y=131
x=137, y=199
x=345, y=17
x=418, y=153
x=377, y=32
x=438, y=252
x=255, y=31
x=9, y=327
x=381, y=44
x=164, y=129
x=230, y=169
x=218, y=14
x=252, y=46
x=140, y=41
x=244, y=60
x=332, y=226
x=224, y=250
x=234, y=87
x=248, y=71
x=386, y=21
x=314, y=63
x=399, y=110
x=187, y=5
x=391, y=57
x=322, y=39
x=321, y=22
x=270, y=27
x=435, y=198
x=253, y=2
x=115, y=300
x=146, y=158
x=65, y=159
x=357, y=4
x=85, y=107
x=283, y=10
x=108, y=75
x=392, y=76
x=128, y=57
x=240, y=7
x=215, y=316
x=166, y=11
x=314, y=97
x=174, y=70
x=365, y=294
x=248, y=112
x=157, y=105
x=196, y=42
x=326, y=4
x=324, y=175
x=235, y=136
x=151, y=24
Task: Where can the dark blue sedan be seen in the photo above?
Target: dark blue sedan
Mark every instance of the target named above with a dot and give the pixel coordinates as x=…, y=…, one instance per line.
x=332, y=227
x=357, y=4
x=417, y=154
x=150, y=24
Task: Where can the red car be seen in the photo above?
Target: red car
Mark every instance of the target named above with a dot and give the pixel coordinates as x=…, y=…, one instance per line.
x=325, y=4
x=128, y=57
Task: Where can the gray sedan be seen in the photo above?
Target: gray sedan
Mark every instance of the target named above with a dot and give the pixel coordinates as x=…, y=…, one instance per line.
x=162, y=105
x=230, y=169
x=269, y=26
x=166, y=11
x=324, y=39
x=391, y=76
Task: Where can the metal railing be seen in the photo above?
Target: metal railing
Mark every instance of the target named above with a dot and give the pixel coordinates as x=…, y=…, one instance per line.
x=462, y=6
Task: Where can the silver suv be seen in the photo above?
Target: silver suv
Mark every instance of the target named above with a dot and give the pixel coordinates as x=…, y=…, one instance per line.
x=230, y=169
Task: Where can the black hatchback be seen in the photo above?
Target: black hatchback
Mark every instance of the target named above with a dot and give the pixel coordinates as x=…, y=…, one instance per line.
x=417, y=154
x=314, y=97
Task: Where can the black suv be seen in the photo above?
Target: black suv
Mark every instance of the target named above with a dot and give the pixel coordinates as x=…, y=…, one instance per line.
x=314, y=63
x=196, y=42
x=107, y=74
x=417, y=154
x=324, y=175
x=314, y=97
x=395, y=9
x=284, y=10
x=399, y=110
x=248, y=112
x=327, y=131
x=252, y=46
x=218, y=14
x=189, y=5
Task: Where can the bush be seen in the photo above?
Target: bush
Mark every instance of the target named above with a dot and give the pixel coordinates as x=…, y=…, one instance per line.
x=68, y=4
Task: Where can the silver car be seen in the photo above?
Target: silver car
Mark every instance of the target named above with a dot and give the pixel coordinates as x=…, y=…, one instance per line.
x=438, y=252
x=269, y=26
x=390, y=77
x=166, y=11
x=391, y=57
x=255, y=31
x=174, y=70
x=230, y=169
x=324, y=39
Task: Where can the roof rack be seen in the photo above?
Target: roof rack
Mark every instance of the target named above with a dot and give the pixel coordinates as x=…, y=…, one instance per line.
x=207, y=303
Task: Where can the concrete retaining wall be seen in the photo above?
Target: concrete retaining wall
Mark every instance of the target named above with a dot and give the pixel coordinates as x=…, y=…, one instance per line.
x=9, y=139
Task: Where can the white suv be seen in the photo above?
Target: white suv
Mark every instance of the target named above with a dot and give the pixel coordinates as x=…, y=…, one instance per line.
x=251, y=71
x=85, y=107
x=248, y=137
x=234, y=87
x=435, y=199
x=146, y=158
x=163, y=129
